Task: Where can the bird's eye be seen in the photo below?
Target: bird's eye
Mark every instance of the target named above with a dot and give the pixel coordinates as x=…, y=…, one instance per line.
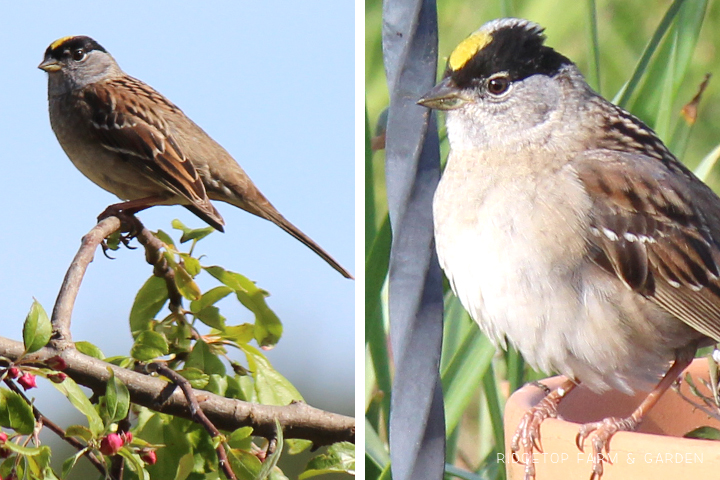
x=78, y=54
x=498, y=84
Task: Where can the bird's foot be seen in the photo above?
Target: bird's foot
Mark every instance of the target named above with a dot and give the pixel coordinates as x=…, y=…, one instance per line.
x=599, y=434
x=128, y=228
x=527, y=435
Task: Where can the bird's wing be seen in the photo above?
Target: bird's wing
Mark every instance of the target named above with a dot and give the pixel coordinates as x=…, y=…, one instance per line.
x=657, y=227
x=140, y=132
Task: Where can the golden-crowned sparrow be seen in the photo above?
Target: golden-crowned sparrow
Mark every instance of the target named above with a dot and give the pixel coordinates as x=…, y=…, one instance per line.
x=566, y=226
x=133, y=142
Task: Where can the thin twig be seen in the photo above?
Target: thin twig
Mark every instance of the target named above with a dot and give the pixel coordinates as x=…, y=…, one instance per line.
x=196, y=412
x=62, y=312
x=709, y=410
x=39, y=417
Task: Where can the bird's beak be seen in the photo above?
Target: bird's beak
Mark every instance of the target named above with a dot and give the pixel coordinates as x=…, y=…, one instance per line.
x=49, y=65
x=444, y=96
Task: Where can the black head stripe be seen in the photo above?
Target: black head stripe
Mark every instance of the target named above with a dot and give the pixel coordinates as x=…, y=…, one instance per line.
x=57, y=48
x=516, y=49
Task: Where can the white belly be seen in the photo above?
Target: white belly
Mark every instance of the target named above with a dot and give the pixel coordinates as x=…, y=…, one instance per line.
x=523, y=278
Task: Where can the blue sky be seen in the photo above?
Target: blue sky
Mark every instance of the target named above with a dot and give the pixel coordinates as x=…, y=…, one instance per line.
x=273, y=82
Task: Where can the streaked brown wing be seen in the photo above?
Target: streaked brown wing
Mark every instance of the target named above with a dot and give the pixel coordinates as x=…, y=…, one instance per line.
x=648, y=228
x=139, y=132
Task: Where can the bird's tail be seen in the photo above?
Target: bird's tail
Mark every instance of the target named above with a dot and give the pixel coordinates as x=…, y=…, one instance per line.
x=268, y=212
x=283, y=223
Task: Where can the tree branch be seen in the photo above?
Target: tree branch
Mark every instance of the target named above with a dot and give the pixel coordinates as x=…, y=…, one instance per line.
x=298, y=420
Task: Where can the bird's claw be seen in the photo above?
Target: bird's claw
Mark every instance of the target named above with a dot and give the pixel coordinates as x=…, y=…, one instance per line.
x=527, y=434
x=600, y=434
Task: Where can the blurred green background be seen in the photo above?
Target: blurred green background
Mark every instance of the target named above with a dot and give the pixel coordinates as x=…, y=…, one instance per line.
x=475, y=391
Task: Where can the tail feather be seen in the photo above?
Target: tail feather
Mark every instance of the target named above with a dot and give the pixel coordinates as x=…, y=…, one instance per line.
x=275, y=217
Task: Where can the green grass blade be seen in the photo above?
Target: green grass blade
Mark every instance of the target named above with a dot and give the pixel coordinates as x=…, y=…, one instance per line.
x=707, y=164
x=375, y=448
x=376, y=268
x=370, y=216
x=495, y=409
x=462, y=377
x=623, y=96
x=594, y=44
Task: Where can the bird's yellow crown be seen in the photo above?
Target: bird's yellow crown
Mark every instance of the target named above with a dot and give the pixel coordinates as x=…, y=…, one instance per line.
x=59, y=42
x=468, y=48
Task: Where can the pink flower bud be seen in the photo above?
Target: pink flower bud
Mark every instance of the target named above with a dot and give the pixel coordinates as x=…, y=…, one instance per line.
x=3, y=437
x=111, y=444
x=27, y=381
x=149, y=457
x=13, y=372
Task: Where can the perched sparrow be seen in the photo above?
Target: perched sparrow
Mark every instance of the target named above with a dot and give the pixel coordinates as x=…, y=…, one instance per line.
x=566, y=226
x=133, y=142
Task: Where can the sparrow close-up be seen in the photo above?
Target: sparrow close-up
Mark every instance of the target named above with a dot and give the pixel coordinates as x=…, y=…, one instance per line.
x=567, y=228
x=133, y=142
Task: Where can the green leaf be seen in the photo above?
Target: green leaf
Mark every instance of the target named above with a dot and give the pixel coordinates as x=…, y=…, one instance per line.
x=41, y=464
x=89, y=349
x=240, y=334
x=244, y=464
x=339, y=458
x=204, y=360
x=706, y=433
x=297, y=445
x=191, y=233
x=218, y=384
x=211, y=317
x=268, y=328
x=76, y=396
x=15, y=413
x=117, y=399
x=112, y=241
x=135, y=463
x=185, y=466
x=196, y=377
x=241, y=438
x=211, y=297
x=149, y=300
x=191, y=264
x=185, y=283
x=70, y=462
x=271, y=461
x=149, y=345
x=165, y=238
x=79, y=431
x=37, y=328
x=22, y=450
x=271, y=387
